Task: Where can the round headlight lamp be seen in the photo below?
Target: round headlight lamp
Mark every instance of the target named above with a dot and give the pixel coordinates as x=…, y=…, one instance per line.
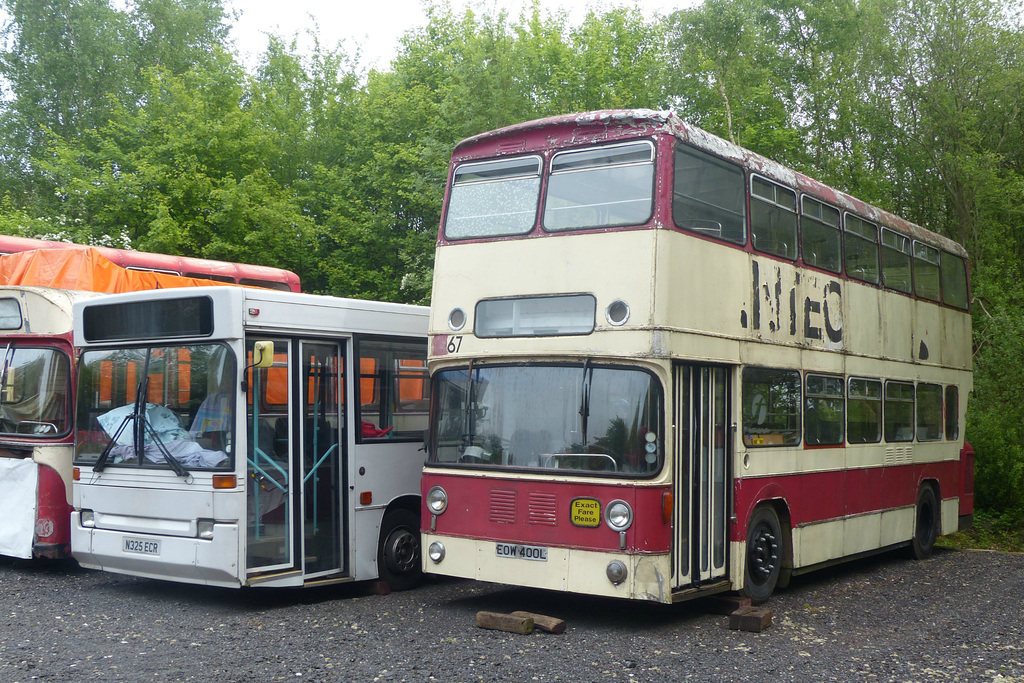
x=437, y=500
x=436, y=552
x=618, y=515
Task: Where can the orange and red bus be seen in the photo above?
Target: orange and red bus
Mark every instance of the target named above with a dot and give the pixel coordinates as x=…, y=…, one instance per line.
x=664, y=366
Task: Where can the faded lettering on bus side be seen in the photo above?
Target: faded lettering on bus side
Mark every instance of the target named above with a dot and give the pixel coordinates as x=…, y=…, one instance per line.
x=786, y=308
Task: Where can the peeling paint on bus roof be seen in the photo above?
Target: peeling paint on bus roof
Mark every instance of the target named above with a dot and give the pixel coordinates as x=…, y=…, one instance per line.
x=610, y=124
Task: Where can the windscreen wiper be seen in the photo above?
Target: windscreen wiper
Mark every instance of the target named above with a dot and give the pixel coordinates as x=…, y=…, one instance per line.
x=175, y=464
x=101, y=462
x=585, y=400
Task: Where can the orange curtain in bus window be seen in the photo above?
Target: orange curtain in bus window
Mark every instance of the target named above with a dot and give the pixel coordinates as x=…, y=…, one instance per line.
x=156, y=382
x=411, y=384
x=184, y=371
x=367, y=381
x=131, y=383
x=106, y=382
x=274, y=382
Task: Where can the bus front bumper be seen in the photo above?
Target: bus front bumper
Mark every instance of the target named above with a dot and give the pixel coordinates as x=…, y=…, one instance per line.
x=617, y=575
x=213, y=561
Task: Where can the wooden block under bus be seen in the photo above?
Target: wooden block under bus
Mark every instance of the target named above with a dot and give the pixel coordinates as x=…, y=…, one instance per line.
x=504, y=622
x=544, y=622
x=753, y=619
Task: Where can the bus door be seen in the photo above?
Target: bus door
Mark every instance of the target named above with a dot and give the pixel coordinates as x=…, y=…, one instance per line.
x=322, y=463
x=700, y=473
x=296, y=450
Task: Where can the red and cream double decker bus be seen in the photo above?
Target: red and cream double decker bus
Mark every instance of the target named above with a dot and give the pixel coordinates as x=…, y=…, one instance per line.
x=664, y=366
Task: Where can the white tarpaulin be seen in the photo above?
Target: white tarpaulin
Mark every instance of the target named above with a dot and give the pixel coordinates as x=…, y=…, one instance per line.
x=17, y=506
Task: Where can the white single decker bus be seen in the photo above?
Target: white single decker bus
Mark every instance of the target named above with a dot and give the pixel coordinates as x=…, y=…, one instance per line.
x=240, y=437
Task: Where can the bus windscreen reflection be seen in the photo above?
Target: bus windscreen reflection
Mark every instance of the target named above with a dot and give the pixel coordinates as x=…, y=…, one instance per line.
x=583, y=419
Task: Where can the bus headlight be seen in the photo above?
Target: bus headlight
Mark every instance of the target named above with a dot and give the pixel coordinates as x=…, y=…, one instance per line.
x=618, y=515
x=437, y=500
x=204, y=528
x=87, y=518
x=436, y=552
x=616, y=572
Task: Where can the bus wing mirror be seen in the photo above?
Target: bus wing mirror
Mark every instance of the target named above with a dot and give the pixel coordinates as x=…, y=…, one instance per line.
x=263, y=354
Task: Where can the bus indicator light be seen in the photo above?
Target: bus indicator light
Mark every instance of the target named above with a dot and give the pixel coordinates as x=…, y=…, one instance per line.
x=366, y=497
x=224, y=481
x=585, y=512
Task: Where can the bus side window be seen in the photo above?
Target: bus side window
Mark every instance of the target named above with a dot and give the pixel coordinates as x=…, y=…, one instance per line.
x=861, y=244
x=771, y=407
x=952, y=412
x=864, y=411
x=821, y=242
x=895, y=261
x=929, y=412
x=953, y=276
x=823, y=410
x=926, y=271
x=393, y=390
x=898, y=411
x=772, y=218
x=708, y=196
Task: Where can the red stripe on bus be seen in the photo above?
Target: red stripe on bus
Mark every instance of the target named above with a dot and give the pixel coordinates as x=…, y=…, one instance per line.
x=823, y=496
x=538, y=513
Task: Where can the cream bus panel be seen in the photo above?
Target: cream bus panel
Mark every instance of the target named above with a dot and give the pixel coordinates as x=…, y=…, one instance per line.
x=566, y=569
x=587, y=267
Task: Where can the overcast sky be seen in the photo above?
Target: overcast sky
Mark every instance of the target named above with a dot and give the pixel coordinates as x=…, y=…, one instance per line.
x=377, y=26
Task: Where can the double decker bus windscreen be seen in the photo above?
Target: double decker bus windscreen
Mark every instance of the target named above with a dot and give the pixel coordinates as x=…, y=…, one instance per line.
x=583, y=419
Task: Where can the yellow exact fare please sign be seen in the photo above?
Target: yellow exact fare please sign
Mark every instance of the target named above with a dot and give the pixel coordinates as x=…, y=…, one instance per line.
x=585, y=512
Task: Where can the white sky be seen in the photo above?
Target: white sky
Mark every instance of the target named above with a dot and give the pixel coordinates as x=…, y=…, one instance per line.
x=376, y=26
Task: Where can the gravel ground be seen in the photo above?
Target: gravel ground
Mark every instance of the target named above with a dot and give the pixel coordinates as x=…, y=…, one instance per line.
x=955, y=617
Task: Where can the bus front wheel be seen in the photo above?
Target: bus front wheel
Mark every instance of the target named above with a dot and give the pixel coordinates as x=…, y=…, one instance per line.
x=764, y=554
x=926, y=524
x=398, y=555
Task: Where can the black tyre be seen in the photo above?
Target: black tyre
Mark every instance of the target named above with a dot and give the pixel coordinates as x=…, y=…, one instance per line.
x=764, y=554
x=398, y=555
x=926, y=524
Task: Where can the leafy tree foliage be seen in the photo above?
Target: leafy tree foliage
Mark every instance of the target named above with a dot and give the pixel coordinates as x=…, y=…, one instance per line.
x=133, y=123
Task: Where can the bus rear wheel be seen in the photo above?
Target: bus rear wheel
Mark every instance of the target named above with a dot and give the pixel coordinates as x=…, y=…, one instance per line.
x=926, y=524
x=764, y=554
x=398, y=555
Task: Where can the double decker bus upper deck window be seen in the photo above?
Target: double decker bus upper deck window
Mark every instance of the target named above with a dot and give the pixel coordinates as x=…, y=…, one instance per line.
x=10, y=314
x=708, y=196
x=895, y=261
x=579, y=419
x=772, y=218
x=953, y=276
x=493, y=198
x=601, y=187
x=821, y=241
x=861, y=242
x=926, y=271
